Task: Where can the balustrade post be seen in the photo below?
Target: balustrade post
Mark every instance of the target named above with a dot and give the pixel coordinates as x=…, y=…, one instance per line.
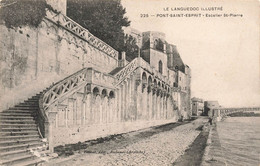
x=138, y=98
x=52, y=122
x=126, y=100
x=123, y=102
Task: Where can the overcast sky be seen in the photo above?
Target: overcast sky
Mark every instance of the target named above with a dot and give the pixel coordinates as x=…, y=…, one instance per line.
x=223, y=53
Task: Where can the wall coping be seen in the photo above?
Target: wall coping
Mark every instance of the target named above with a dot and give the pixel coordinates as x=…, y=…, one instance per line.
x=77, y=30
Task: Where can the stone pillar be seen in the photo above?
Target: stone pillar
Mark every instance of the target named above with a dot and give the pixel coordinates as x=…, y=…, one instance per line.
x=88, y=109
x=154, y=104
x=129, y=99
x=83, y=112
x=157, y=106
x=126, y=101
x=52, y=123
x=149, y=103
x=118, y=105
x=123, y=102
x=138, y=98
x=144, y=103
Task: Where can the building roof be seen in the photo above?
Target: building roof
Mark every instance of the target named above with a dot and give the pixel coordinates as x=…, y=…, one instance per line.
x=195, y=99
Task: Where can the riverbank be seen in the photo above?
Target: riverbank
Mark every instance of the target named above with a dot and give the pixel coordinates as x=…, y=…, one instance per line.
x=233, y=141
x=160, y=145
x=194, y=154
x=213, y=154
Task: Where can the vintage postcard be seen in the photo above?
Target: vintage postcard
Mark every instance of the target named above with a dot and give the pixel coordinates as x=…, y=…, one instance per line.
x=129, y=82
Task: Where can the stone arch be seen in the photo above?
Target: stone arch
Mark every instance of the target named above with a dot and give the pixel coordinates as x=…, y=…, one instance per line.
x=144, y=77
x=155, y=43
x=158, y=92
x=96, y=91
x=160, y=67
x=104, y=93
x=155, y=83
x=150, y=81
x=144, y=81
x=159, y=84
x=111, y=94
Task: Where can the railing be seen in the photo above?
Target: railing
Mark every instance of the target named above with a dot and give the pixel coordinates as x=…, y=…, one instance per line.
x=63, y=87
x=75, y=28
x=147, y=66
x=138, y=62
x=121, y=75
x=226, y=111
x=102, y=79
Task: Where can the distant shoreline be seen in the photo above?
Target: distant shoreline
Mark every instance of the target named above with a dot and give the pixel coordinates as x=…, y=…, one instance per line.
x=245, y=114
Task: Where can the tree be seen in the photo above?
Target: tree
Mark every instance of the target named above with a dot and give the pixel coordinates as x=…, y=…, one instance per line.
x=17, y=13
x=130, y=47
x=103, y=18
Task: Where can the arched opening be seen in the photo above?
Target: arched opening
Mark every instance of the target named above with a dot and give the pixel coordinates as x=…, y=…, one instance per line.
x=104, y=93
x=144, y=81
x=111, y=94
x=160, y=67
x=144, y=78
x=155, y=83
x=96, y=91
x=155, y=43
x=150, y=81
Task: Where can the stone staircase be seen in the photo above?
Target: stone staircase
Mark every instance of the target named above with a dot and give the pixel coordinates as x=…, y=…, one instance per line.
x=20, y=141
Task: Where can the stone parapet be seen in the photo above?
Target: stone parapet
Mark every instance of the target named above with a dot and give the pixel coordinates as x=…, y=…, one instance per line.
x=81, y=32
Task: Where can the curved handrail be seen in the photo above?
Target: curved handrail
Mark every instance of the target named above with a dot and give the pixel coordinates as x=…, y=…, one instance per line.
x=55, y=92
x=129, y=68
x=63, y=87
x=132, y=66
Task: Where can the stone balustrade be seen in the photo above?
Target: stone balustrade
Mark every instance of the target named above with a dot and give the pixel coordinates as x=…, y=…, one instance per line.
x=81, y=32
x=99, y=78
x=157, y=74
x=129, y=68
x=63, y=87
x=139, y=62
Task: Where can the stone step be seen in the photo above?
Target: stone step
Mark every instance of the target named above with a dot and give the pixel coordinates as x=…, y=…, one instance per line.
x=16, y=117
x=19, y=111
x=18, y=121
x=15, y=114
x=13, y=142
x=31, y=101
x=13, y=128
x=19, y=137
x=17, y=160
x=20, y=125
x=31, y=162
x=35, y=96
x=27, y=105
x=24, y=108
x=20, y=146
x=13, y=153
x=13, y=133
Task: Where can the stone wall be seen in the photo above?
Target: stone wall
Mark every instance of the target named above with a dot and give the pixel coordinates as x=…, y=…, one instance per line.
x=34, y=58
x=97, y=109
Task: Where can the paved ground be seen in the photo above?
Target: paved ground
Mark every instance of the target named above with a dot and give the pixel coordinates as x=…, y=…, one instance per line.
x=154, y=146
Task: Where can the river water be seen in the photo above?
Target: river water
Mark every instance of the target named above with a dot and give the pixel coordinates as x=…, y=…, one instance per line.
x=240, y=140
